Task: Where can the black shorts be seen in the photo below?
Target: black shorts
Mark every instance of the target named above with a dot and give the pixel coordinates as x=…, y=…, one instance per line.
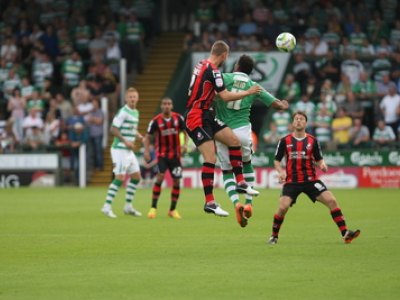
x=202, y=125
x=312, y=189
x=173, y=165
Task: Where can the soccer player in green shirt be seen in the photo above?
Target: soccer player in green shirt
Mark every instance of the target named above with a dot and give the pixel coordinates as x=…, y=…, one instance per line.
x=125, y=130
x=236, y=114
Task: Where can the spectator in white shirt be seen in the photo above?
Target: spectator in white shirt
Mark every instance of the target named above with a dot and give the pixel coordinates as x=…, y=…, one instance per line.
x=390, y=108
x=383, y=135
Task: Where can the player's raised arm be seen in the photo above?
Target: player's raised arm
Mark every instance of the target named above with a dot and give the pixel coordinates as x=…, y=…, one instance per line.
x=280, y=104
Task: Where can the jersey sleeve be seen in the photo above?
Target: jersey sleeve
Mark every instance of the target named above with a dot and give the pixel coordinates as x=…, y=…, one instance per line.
x=280, y=150
x=152, y=127
x=317, y=153
x=181, y=122
x=215, y=77
x=266, y=97
x=118, y=120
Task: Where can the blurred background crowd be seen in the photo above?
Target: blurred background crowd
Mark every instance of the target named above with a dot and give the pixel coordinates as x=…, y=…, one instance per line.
x=59, y=57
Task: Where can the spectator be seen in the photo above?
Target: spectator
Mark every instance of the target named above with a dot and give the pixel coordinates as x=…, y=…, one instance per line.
x=11, y=83
x=16, y=106
x=395, y=72
x=149, y=169
x=326, y=99
x=113, y=54
x=248, y=26
x=282, y=119
x=81, y=35
x=365, y=88
x=342, y=89
x=271, y=136
x=27, y=89
x=51, y=128
x=290, y=89
x=352, y=68
x=309, y=108
x=50, y=42
x=63, y=143
x=36, y=103
x=383, y=87
x=395, y=35
x=64, y=106
x=35, y=139
x=315, y=46
x=353, y=108
x=341, y=128
x=383, y=134
x=359, y=134
x=97, y=46
x=357, y=37
x=71, y=71
x=80, y=93
x=77, y=135
x=42, y=68
x=381, y=66
x=95, y=122
x=390, y=108
x=134, y=43
x=328, y=67
x=367, y=50
x=301, y=69
x=322, y=125
x=8, y=50
x=8, y=141
x=204, y=14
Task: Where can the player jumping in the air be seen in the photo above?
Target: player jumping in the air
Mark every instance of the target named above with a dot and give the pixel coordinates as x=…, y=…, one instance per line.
x=166, y=126
x=203, y=127
x=236, y=114
x=303, y=153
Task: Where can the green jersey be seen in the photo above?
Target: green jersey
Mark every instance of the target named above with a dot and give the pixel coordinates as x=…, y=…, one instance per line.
x=236, y=114
x=127, y=121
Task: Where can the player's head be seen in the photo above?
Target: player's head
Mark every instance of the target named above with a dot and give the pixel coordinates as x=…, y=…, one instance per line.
x=245, y=64
x=131, y=97
x=220, y=50
x=166, y=105
x=299, y=120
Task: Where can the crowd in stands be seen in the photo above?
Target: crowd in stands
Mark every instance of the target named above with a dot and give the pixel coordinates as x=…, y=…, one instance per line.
x=346, y=65
x=58, y=58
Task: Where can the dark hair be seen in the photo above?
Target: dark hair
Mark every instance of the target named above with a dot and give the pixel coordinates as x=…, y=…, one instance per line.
x=245, y=64
x=299, y=112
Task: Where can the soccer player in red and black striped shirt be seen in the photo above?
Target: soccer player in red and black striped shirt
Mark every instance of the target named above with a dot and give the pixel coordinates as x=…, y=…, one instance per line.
x=203, y=127
x=166, y=127
x=303, y=153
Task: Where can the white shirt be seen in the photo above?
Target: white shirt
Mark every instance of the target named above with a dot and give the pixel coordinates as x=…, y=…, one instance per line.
x=390, y=105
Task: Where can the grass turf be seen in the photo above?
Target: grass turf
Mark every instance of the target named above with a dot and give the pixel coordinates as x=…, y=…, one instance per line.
x=55, y=244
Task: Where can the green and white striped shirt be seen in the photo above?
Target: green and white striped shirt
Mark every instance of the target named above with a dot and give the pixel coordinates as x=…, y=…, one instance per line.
x=127, y=121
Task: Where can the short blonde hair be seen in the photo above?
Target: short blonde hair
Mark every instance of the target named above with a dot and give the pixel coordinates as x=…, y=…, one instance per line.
x=219, y=48
x=131, y=89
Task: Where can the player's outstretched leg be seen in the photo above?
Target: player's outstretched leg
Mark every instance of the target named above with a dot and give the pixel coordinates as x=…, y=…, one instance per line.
x=329, y=200
x=235, y=157
x=112, y=191
x=207, y=177
x=230, y=189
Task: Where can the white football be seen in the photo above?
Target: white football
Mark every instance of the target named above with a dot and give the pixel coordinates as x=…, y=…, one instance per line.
x=285, y=42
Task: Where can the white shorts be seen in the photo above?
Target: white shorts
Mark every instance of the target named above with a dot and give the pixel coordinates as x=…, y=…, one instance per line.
x=124, y=161
x=244, y=136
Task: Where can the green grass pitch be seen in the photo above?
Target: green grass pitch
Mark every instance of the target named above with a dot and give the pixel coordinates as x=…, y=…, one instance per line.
x=55, y=244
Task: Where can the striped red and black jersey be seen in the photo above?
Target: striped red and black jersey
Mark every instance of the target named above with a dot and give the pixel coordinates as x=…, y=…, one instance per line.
x=206, y=80
x=166, y=132
x=301, y=155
